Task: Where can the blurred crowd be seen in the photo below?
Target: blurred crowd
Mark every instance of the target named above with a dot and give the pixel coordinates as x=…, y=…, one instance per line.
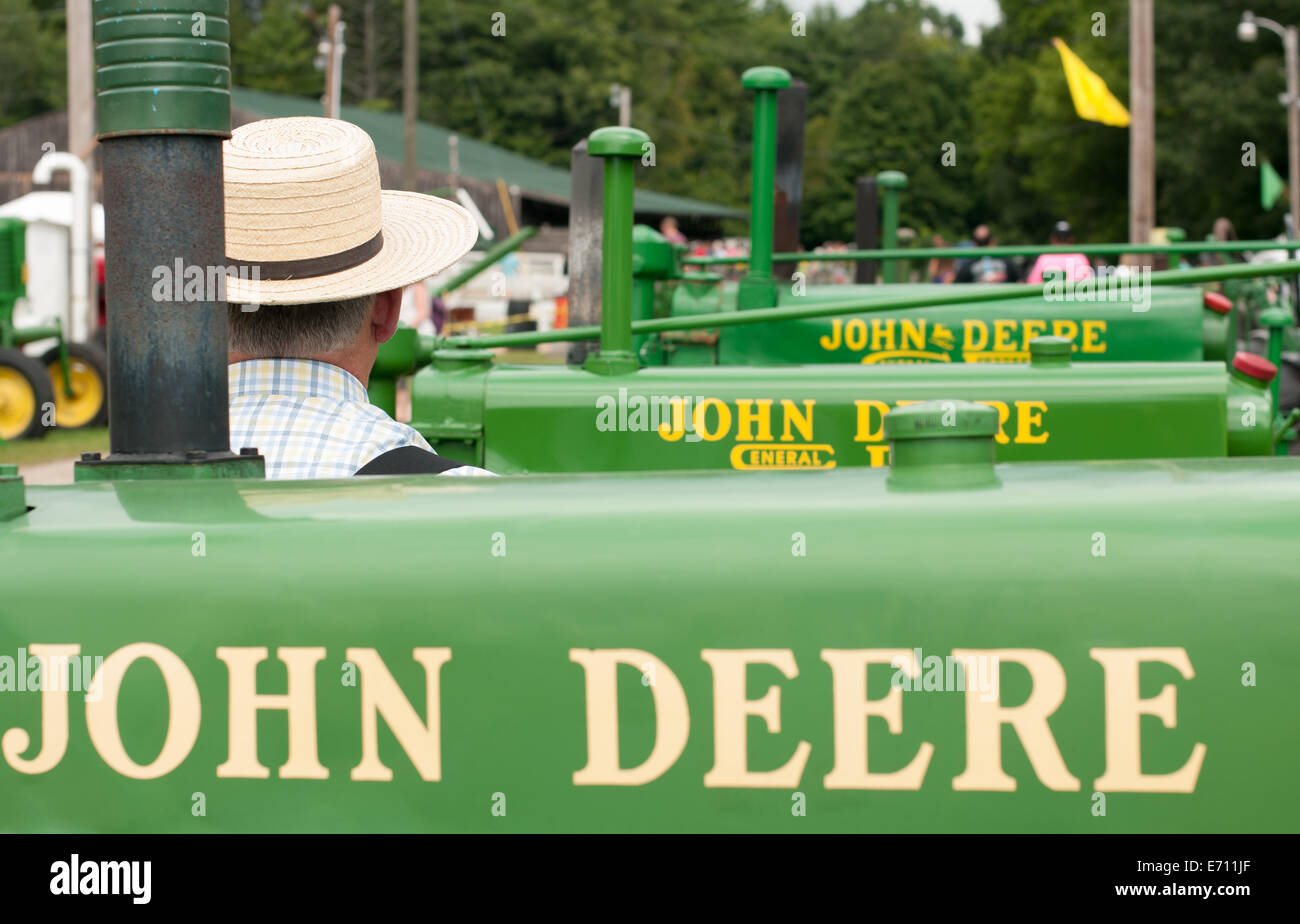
x=977, y=267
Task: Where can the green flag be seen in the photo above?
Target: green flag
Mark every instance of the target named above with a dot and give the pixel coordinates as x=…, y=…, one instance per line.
x=1270, y=186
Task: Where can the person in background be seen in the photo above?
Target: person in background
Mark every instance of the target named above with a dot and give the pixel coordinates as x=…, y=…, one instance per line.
x=986, y=269
x=668, y=228
x=1075, y=266
x=305, y=330
x=438, y=314
x=415, y=306
x=942, y=271
x=1223, y=232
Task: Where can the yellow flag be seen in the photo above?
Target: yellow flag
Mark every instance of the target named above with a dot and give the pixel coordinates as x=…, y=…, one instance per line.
x=1092, y=100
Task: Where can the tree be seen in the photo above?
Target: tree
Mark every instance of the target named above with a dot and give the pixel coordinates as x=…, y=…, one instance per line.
x=273, y=44
x=33, y=55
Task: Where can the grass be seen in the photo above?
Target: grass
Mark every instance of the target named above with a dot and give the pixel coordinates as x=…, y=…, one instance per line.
x=57, y=444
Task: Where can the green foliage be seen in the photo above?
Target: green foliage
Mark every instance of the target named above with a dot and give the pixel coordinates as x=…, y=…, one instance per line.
x=884, y=92
x=1037, y=162
x=33, y=53
x=275, y=52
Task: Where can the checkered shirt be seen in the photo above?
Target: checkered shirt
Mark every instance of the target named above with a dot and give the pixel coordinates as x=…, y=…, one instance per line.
x=311, y=419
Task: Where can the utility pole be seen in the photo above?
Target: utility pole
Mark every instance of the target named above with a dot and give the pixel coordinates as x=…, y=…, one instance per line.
x=1248, y=31
x=1142, y=128
x=330, y=48
x=1292, y=45
x=81, y=81
x=81, y=127
x=620, y=97
x=336, y=84
x=410, y=47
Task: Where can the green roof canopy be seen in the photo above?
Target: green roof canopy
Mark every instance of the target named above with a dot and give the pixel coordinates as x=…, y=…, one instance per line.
x=478, y=159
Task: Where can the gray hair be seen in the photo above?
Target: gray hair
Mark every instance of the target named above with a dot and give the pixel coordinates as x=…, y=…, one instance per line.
x=297, y=330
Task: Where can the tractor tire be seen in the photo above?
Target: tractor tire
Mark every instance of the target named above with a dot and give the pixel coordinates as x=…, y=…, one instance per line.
x=25, y=395
x=88, y=404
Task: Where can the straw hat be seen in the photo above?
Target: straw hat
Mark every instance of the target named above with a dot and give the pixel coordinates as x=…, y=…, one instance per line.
x=306, y=216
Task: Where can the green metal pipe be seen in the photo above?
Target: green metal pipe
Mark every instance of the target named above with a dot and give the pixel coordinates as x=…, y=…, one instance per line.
x=1276, y=319
x=765, y=81
x=493, y=256
x=1001, y=250
x=763, y=207
x=620, y=146
x=948, y=295
x=25, y=335
x=891, y=183
x=758, y=288
x=162, y=80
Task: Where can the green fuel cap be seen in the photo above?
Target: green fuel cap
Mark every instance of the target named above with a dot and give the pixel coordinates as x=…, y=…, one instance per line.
x=765, y=77
x=162, y=67
x=1050, y=351
x=617, y=141
x=941, y=445
x=891, y=179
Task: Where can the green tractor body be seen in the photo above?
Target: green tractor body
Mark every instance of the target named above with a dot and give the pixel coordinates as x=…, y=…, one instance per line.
x=672, y=652
x=519, y=418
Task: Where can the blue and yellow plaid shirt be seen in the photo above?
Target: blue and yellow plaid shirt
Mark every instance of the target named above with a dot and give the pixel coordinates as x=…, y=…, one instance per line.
x=311, y=419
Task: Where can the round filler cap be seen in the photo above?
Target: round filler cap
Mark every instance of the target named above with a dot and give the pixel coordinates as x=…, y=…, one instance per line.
x=1050, y=351
x=1257, y=367
x=617, y=141
x=765, y=77
x=891, y=179
x=941, y=445
x=1217, y=302
x=941, y=419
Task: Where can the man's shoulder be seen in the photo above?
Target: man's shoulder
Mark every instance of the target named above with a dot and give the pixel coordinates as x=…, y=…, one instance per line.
x=362, y=411
x=373, y=426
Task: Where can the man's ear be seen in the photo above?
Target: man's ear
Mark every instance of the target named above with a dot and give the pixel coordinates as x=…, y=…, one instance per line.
x=384, y=315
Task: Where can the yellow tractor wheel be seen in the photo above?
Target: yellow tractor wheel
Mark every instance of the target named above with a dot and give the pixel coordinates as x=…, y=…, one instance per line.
x=87, y=405
x=26, y=398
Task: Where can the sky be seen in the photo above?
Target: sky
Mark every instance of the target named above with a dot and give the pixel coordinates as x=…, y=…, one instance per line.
x=973, y=13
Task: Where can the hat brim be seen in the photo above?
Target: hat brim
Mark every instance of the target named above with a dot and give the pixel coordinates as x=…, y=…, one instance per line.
x=423, y=235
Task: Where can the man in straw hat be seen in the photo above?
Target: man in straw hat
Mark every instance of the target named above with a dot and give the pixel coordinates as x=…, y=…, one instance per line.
x=322, y=256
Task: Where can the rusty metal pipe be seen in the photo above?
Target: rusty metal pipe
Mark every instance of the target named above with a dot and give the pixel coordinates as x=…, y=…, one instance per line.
x=163, y=215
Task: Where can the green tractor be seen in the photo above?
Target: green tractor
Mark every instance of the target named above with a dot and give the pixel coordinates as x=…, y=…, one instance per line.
x=67, y=386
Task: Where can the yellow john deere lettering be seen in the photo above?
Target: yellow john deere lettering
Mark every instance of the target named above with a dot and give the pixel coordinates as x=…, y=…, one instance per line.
x=1004, y=340
x=758, y=446
x=765, y=441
